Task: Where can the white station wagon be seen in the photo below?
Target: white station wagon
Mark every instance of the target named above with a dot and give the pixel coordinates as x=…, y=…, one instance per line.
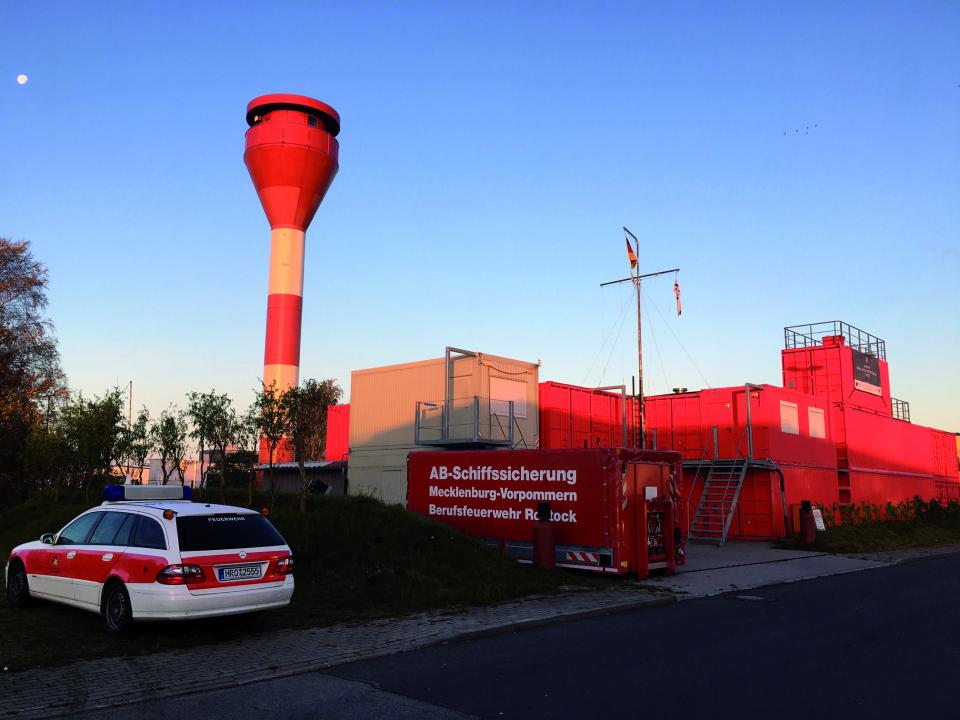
x=149, y=553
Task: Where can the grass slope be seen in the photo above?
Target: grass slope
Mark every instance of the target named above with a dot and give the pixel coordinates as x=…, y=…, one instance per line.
x=356, y=559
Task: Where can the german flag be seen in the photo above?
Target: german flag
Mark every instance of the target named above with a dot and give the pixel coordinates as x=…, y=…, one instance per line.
x=632, y=255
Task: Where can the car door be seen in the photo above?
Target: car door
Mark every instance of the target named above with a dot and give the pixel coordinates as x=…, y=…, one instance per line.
x=56, y=579
x=102, y=550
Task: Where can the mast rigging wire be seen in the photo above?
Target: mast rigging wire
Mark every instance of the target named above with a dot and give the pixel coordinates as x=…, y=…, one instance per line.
x=675, y=337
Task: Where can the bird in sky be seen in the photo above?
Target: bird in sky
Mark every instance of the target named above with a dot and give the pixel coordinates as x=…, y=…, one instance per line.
x=806, y=129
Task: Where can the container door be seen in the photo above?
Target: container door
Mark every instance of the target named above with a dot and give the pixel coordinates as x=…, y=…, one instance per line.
x=580, y=420
x=686, y=428
x=754, y=516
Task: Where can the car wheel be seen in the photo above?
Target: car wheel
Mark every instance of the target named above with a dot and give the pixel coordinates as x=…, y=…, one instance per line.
x=18, y=589
x=115, y=609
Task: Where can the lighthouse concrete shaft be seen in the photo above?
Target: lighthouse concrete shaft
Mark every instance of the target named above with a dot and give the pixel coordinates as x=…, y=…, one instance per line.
x=281, y=352
x=292, y=155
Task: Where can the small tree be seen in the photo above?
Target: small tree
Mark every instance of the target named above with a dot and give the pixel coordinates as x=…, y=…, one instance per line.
x=272, y=423
x=223, y=431
x=305, y=411
x=92, y=430
x=248, y=442
x=140, y=441
x=47, y=458
x=201, y=408
x=169, y=435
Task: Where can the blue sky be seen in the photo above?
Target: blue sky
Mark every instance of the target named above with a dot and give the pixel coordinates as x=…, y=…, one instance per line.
x=490, y=153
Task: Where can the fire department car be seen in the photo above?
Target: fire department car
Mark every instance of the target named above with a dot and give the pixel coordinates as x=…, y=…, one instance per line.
x=149, y=553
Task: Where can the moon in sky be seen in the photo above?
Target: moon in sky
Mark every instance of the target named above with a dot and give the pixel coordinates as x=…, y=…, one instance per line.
x=22, y=79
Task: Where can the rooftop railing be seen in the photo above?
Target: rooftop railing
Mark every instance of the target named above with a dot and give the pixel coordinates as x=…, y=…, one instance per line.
x=813, y=334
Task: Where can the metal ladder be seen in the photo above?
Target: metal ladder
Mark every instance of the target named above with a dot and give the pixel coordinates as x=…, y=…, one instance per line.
x=718, y=502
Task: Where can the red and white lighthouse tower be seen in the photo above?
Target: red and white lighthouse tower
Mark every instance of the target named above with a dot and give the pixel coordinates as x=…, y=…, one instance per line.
x=292, y=155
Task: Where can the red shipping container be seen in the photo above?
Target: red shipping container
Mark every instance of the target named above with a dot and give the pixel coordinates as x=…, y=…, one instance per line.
x=598, y=500
x=891, y=460
x=579, y=417
x=828, y=371
x=338, y=432
x=787, y=426
x=789, y=430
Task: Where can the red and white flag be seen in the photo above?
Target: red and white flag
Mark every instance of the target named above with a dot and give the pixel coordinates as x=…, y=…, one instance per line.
x=676, y=291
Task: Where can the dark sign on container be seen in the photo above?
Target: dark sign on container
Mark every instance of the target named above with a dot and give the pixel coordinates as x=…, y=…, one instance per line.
x=866, y=372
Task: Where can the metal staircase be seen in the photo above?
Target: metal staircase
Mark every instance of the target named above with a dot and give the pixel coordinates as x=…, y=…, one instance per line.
x=721, y=491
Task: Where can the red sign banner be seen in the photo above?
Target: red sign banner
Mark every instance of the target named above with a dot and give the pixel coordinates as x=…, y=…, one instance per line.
x=496, y=494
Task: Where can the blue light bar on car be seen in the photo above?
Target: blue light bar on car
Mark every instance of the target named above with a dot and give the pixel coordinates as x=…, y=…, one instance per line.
x=116, y=493
x=113, y=493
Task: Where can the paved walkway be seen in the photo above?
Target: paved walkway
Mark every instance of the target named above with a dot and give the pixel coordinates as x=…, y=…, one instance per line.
x=113, y=682
x=712, y=570
x=97, y=684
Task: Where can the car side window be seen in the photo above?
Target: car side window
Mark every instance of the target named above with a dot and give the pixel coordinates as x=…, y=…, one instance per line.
x=125, y=534
x=77, y=532
x=149, y=534
x=106, y=531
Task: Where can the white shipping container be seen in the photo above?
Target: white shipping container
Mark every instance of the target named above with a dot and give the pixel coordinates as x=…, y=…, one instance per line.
x=383, y=413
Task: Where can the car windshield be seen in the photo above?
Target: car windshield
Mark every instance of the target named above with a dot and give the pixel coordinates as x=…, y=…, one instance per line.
x=226, y=531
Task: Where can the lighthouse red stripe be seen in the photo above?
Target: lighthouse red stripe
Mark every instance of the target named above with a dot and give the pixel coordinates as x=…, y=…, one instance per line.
x=283, y=330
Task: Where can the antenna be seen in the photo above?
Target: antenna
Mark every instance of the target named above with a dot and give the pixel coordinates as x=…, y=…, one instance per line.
x=636, y=280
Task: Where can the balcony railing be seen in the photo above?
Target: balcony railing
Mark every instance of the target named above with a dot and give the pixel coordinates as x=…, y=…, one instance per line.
x=465, y=422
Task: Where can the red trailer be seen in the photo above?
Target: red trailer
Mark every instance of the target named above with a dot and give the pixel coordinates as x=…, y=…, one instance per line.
x=614, y=510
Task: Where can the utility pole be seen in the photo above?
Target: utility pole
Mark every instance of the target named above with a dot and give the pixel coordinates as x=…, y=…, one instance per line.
x=635, y=280
x=129, y=477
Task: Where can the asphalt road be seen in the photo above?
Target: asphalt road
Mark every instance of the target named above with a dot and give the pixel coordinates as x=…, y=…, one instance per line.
x=879, y=643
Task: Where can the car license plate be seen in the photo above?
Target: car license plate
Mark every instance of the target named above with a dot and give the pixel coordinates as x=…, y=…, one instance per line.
x=239, y=572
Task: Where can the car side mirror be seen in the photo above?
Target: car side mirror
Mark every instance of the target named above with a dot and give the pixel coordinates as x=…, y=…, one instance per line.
x=47, y=538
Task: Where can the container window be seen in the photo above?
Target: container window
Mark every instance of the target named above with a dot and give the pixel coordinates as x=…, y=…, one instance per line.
x=311, y=121
x=502, y=392
x=789, y=418
x=818, y=428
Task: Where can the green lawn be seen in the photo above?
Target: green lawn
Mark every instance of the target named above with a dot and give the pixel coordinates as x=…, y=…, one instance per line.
x=919, y=524
x=356, y=559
